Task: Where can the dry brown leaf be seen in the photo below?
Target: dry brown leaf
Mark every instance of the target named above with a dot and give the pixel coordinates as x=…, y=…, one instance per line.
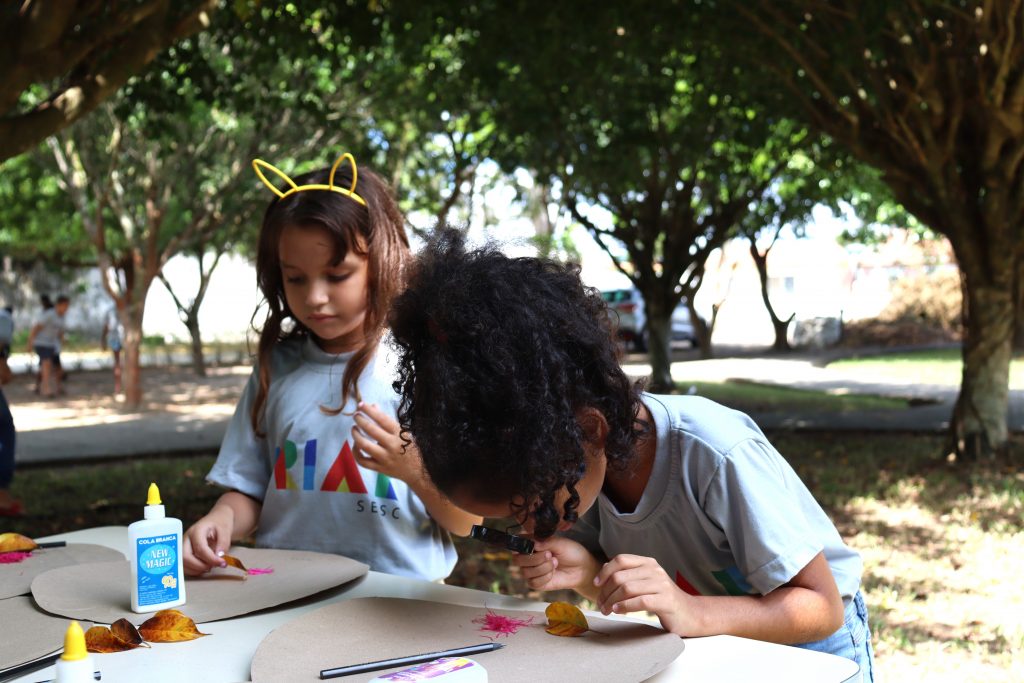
x=565, y=620
x=234, y=562
x=169, y=626
x=11, y=543
x=125, y=630
x=102, y=640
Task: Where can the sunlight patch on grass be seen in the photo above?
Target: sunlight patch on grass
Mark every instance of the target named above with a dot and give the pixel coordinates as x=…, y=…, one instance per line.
x=937, y=366
x=762, y=398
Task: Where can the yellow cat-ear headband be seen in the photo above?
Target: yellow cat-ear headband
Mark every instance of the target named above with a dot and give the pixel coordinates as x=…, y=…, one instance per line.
x=350, y=192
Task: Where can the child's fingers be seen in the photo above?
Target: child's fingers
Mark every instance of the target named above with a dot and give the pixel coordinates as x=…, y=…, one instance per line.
x=374, y=430
x=617, y=564
x=533, y=565
x=387, y=422
x=369, y=454
x=644, y=602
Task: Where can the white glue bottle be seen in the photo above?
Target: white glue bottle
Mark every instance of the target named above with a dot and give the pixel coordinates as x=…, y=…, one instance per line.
x=74, y=665
x=155, y=558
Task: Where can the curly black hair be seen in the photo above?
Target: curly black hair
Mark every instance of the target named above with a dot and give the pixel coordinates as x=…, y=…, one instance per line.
x=497, y=356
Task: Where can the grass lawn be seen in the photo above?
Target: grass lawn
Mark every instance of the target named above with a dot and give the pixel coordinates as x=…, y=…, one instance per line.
x=939, y=366
x=764, y=398
x=942, y=544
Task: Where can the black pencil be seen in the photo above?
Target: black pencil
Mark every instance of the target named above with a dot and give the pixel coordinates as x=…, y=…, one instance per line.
x=411, y=659
x=53, y=544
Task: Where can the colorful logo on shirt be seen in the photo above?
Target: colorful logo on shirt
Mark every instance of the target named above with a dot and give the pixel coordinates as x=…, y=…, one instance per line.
x=685, y=585
x=731, y=579
x=343, y=476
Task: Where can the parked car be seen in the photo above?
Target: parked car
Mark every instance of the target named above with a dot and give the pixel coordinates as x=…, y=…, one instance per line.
x=628, y=305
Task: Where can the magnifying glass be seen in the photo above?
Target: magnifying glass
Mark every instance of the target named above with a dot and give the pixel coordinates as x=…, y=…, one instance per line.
x=516, y=544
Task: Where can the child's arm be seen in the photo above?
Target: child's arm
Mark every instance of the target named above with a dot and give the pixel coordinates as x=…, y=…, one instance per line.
x=232, y=517
x=32, y=335
x=378, y=445
x=805, y=609
x=5, y=371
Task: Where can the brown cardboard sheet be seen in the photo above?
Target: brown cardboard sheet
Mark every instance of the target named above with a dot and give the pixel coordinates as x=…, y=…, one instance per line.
x=101, y=592
x=368, y=629
x=16, y=578
x=28, y=632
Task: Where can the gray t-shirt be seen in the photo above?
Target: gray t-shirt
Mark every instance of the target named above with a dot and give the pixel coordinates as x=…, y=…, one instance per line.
x=723, y=512
x=315, y=496
x=51, y=327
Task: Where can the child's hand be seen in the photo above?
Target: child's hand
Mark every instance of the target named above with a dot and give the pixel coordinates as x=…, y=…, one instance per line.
x=631, y=583
x=378, y=445
x=558, y=563
x=206, y=541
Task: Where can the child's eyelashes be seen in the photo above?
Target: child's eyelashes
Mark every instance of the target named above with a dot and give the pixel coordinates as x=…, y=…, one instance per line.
x=337, y=278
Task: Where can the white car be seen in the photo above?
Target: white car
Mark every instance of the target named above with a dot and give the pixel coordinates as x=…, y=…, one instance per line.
x=628, y=305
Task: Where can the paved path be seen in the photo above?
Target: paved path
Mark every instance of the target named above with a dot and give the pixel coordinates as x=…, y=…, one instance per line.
x=184, y=415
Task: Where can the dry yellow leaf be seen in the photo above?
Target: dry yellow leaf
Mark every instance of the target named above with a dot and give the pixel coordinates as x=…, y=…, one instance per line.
x=125, y=630
x=12, y=543
x=234, y=562
x=102, y=640
x=565, y=620
x=169, y=626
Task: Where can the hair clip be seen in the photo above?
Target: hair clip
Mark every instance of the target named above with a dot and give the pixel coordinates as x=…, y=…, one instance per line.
x=516, y=544
x=350, y=192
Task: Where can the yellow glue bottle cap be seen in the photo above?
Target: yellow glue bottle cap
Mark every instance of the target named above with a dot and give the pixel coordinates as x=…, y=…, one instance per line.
x=154, y=495
x=154, y=507
x=74, y=643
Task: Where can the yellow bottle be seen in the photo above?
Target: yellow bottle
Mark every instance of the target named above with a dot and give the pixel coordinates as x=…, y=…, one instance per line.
x=158, y=578
x=75, y=665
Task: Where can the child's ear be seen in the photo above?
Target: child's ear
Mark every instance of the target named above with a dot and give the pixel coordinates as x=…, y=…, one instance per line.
x=594, y=425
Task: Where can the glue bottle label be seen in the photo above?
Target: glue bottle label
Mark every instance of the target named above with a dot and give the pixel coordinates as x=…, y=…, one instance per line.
x=158, y=569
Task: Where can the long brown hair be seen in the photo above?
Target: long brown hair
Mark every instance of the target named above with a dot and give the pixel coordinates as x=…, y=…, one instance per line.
x=376, y=231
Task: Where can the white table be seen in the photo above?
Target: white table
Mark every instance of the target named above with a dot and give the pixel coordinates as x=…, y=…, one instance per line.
x=226, y=658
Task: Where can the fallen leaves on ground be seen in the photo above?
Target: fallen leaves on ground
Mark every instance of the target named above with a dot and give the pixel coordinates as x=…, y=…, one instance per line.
x=11, y=543
x=565, y=620
x=169, y=626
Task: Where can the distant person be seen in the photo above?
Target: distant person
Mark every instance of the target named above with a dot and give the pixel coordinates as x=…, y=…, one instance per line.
x=313, y=459
x=512, y=389
x=45, y=340
x=112, y=338
x=9, y=505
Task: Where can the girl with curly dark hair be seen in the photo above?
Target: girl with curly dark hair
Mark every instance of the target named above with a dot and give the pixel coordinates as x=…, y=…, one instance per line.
x=512, y=388
x=313, y=458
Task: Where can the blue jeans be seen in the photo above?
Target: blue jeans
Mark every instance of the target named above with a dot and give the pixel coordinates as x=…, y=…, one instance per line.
x=6, y=444
x=852, y=640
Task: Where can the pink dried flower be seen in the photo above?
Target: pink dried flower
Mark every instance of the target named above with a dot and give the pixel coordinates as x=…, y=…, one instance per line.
x=14, y=556
x=500, y=624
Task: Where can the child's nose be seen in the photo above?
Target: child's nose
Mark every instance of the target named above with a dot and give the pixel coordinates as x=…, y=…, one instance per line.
x=317, y=294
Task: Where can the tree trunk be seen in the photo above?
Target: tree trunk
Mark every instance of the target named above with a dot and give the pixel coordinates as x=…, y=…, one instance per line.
x=979, y=428
x=1018, y=305
x=131, y=370
x=198, y=361
x=780, y=326
x=701, y=329
x=659, y=335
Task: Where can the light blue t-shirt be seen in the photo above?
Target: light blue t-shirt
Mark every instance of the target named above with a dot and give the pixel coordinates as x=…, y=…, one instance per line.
x=315, y=496
x=723, y=512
